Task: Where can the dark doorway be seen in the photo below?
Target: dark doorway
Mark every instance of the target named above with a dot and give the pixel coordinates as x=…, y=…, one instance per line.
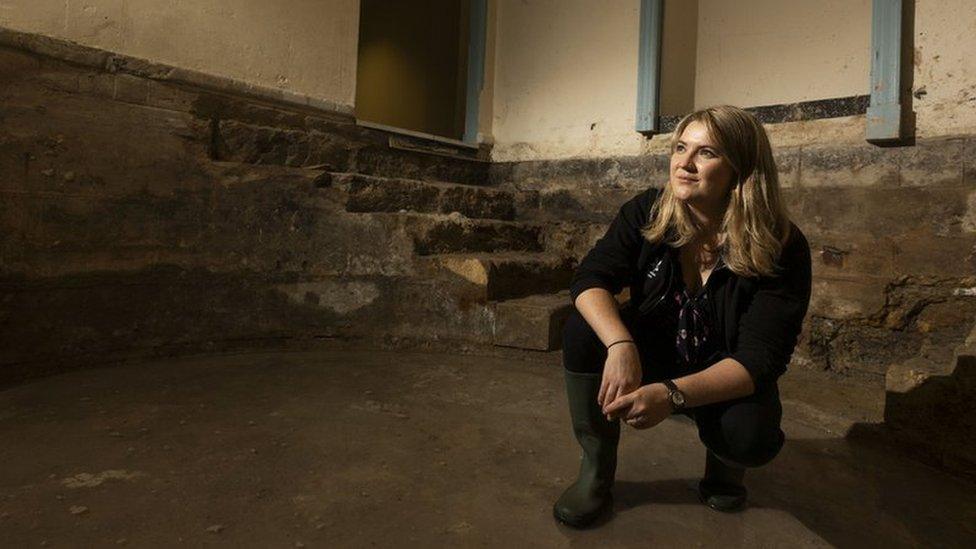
x=413, y=65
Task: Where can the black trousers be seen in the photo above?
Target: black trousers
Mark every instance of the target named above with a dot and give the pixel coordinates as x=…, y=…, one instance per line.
x=743, y=431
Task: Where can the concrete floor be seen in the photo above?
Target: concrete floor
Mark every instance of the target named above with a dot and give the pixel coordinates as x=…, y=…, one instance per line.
x=338, y=448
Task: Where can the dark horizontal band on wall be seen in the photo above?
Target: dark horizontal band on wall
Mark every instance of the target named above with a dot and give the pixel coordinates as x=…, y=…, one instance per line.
x=794, y=112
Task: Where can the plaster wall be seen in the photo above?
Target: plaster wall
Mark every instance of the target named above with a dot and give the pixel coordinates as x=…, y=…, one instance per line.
x=769, y=52
x=562, y=67
x=944, y=97
x=565, y=81
x=303, y=46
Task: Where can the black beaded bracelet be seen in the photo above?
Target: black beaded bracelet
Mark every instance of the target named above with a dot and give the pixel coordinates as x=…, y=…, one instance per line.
x=621, y=341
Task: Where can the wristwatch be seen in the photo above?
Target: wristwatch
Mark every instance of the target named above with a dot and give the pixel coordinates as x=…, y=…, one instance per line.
x=675, y=396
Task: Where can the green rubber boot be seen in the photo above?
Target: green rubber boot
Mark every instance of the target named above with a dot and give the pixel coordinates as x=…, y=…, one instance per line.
x=721, y=488
x=589, y=497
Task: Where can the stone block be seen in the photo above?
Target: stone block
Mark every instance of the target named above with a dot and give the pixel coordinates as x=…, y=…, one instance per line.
x=969, y=162
x=477, y=202
x=98, y=84
x=17, y=64
x=843, y=298
x=383, y=194
x=932, y=162
x=913, y=373
x=849, y=165
x=584, y=204
x=847, y=255
x=382, y=160
x=508, y=275
x=534, y=322
x=527, y=204
x=933, y=405
x=164, y=95
x=159, y=309
x=788, y=165
x=654, y=169
x=438, y=234
x=626, y=172
x=876, y=212
x=60, y=80
x=574, y=239
x=131, y=89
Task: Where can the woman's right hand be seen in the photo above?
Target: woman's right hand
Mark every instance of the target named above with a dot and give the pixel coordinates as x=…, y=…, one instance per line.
x=621, y=373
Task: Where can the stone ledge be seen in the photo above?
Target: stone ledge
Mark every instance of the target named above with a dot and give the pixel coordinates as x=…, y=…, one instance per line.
x=533, y=322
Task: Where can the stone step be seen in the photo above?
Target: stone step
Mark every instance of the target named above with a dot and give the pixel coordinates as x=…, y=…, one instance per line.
x=342, y=147
x=236, y=173
x=507, y=275
x=534, y=322
x=830, y=403
x=921, y=392
x=455, y=233
x=366, y=193
x=930, y=407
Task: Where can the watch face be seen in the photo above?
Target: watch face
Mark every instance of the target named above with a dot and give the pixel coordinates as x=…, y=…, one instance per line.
x=678, y=398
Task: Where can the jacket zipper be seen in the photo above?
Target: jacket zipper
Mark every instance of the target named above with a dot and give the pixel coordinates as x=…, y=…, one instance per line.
x=670, y=287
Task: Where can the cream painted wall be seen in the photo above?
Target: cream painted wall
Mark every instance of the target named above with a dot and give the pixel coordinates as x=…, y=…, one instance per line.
x=945, y=67
x=565, y=81
x=303, y=46
x=768, y=52
x=562, y=65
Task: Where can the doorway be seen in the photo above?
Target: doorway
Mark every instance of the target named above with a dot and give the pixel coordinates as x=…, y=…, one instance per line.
x=412, y=70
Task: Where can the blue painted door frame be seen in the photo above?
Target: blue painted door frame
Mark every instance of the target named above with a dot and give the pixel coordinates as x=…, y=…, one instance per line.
x=885, y=114
x=649, y=66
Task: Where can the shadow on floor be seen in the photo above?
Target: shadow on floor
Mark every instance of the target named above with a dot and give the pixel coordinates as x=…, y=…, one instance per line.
x=827, y=484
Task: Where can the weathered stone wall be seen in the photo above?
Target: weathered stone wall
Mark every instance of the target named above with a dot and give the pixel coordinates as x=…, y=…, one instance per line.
x=145, y=216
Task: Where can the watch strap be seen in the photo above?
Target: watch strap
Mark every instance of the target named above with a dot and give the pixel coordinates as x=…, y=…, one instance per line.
x=672, y=389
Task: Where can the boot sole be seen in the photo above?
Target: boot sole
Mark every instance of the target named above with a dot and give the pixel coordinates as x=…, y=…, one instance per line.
x=732, y=504
x=585, y=520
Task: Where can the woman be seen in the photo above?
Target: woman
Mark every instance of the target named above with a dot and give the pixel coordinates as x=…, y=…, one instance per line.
x=719, y=285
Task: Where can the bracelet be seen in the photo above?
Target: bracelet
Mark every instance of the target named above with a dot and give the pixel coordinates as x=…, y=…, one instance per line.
x=621, y=341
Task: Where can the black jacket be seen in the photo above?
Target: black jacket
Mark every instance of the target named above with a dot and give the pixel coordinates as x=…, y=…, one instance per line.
x=760, y=317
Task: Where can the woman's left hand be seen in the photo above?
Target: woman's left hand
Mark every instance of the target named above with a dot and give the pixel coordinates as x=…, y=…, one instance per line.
x=642, y=408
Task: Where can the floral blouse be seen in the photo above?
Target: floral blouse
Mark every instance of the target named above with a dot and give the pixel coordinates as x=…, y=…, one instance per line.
x=693, y=334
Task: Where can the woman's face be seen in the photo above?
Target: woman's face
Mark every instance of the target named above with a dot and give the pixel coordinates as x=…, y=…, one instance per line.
x=700, y=175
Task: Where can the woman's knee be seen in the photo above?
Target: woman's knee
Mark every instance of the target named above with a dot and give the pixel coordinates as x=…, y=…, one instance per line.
x=582, y=349
x=747, y=435
x=754, y=450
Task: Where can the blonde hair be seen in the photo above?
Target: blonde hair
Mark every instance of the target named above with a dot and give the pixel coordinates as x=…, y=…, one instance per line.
x=756, y=224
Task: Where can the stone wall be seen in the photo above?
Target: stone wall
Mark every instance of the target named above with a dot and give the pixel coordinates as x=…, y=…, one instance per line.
x=143, y=215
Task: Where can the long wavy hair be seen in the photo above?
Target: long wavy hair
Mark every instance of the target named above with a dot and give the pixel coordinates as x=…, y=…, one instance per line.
x=756, y=224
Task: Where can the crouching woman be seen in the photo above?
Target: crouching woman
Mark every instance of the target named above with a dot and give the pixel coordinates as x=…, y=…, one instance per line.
x=719, y=280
